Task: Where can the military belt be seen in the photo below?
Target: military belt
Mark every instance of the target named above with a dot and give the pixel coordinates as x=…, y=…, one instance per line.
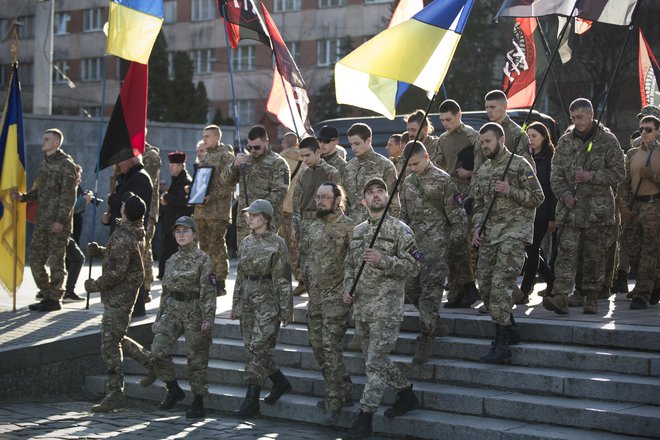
x=649, y=199
x=259, y=277
x=185, y=296
x=309, y=215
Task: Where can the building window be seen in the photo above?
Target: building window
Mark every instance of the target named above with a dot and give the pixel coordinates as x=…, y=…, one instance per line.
x=90, y=69
x=286, y=5
x=25, y=74
x=92, y=19
x=61, y=24
x=25, y=27
x=245, y=108
x=169, y=11
x=90, y=111
x=328, y=51
x=4, y=29
x=203, y=10
x=61, y=72
x=202, y=61
x=244, y=58
x=331, y=3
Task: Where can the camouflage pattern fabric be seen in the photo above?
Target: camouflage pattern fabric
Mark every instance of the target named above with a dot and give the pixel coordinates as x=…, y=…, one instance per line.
x=432, y=147
x=259, y=337
x=114, y=325
x=152, y=164
x=294, y=253
x=49, y=248
x=308, y=182
x=450, y=144
x=647, y=261
x=211, y=234
x=336, y=161
x=516, y=139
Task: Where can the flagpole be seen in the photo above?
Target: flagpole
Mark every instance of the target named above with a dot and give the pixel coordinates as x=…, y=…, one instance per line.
x=590, y=142
x=482, y=226
x=98, y=165
x=546, y=49
x=393, y=193
x=293, y=118
x=15, y=271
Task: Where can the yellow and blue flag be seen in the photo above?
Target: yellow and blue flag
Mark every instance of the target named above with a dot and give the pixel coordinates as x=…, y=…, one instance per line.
x=12, y=178
x=133, y=26
x=417, y=51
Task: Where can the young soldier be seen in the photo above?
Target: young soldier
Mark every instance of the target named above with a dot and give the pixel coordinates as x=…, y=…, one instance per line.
x=517, y=141
x=395, y=150
x=415, y=122
x=328, y=140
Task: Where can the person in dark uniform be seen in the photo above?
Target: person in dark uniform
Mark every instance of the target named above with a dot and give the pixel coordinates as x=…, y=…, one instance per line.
x=174, y=204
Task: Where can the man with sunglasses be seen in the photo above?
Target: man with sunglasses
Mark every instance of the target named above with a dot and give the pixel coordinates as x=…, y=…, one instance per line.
x=329, y=141
x=266, y=177
x=638, y=199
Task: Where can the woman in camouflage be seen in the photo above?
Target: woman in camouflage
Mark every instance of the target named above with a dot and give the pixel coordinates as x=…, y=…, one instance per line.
x=262, y=301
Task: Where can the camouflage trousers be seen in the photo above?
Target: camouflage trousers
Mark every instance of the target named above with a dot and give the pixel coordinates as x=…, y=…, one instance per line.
x=114, y=325
x=378, y=339
x=498, y=268
x=148, y=256
x=583, y=249
x=294, y=252
x=645, y=247
x=461, y=268
x=182, y=318
x=425, y=290
x=211, y=236
x=259, y=337
x=327, y=322
x=611, y=259
x=49, y=248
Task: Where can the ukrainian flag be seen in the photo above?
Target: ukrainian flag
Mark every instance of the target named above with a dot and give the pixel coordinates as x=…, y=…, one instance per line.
x=133, y=26
x=417, y=51
x=12, y=178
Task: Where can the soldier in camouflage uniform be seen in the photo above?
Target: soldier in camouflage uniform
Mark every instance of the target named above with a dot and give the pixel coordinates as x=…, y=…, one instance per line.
x=503, y=236
x=517, y=141
x=262, y=301
x=416, y=122
x=266, y=177
x=323, y=250
x=54, y=189
x=121, y=278
x=328, y=140
x=587, y=214
x=430, y=207
x=378, y=304
x=395, y=150
x=214, y=215
x=187, y=307
x=152, y=163
x=641, y=191
x=460, y=155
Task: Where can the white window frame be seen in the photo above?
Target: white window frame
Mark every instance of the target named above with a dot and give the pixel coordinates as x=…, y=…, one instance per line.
x=169, y=11
x=61, y=23
x=246, y=113
x=64, y=68
x=244, y=58
x=202, y=61
x=324, y=50
x=286, y=5
x=324, y=4
x=26, y=31
x=90, y=69
x=203, y=10
x=92, y=19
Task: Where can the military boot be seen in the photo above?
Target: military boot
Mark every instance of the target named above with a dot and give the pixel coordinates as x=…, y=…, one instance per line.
x=196, y=410
x=280, y=387
x=174, y=394
x=518, y=297
x=499, y=351
x=471, y=295
x=406, y=401
x=620, y=284
x=423, y=350
x=557, y=303
x=250, y=406
x=655, y=297
x=46, y=305
x=514, y=331
x=361, y=427
x=575, y=300
x=112, y=401
x=591, y=304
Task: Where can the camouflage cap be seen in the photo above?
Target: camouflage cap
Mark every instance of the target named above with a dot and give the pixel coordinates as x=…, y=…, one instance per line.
x=649, y=110
x=374, y=181
x=260, y=206
x=185, y=221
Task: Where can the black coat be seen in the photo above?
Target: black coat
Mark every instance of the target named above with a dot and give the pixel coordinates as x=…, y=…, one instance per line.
x=177, y=201
x=137, y=181
x=545, y=212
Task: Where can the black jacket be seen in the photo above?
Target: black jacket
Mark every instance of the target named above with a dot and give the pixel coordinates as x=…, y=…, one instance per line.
x=177, y=200
x=137, y=181
x=545, y=212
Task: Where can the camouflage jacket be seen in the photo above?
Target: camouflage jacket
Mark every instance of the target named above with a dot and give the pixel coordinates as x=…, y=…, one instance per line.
x=512, y=132
x=190, y=271
x=218, y=205
x=152, y=163
x=322, y=253
x=379, y=292
x=432, y=147
x=358, y=172
x=450, y=144
x=595, y=200
x=123, y=272
x=636, y=159
x=512, y=216
x=54, y=189
x=336, y=161
x=262, y=286
x=267, y=178
x=429, y=206
x=307, y=183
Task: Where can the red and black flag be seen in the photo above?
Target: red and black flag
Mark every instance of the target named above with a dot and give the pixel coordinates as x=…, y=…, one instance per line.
x=525, y=63
x=243, y=21
x=125, y=135
x=617, y=12
x=649, y=74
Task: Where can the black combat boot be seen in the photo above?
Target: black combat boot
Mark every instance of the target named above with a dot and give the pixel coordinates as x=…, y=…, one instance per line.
x=196, y=410
x=361, y=427
x=174, y=394
x=471, y=296
x=620, y=284
x=280, y=387
x=514, y=331
x=250, y=406
x=499, y=352
x=405, y=402
x=46, y=305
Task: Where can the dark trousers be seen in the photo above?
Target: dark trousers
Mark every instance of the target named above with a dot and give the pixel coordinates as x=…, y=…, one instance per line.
x=168, y=248
x=74, y=260
x=536, y=263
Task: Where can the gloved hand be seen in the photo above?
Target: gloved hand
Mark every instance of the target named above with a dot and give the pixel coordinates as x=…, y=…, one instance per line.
x=93, y=249
x=89, y=285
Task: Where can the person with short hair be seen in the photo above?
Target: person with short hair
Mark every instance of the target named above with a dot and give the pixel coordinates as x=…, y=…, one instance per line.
x=394, y=148
x=517, y=142
x=54, y=190
x=330, y=149
x=262, y=302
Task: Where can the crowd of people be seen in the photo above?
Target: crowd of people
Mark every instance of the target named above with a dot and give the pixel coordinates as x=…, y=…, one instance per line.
x=473, y=211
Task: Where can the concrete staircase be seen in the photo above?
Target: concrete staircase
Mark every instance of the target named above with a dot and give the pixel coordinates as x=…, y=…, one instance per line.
x=568, y=380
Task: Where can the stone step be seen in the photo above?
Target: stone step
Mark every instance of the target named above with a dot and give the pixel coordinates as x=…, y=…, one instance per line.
x=425, y=424
x=513, y=378
x=547, y=355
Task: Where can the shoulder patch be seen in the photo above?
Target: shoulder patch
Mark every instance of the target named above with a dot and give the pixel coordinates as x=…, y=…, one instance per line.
x=529, y=174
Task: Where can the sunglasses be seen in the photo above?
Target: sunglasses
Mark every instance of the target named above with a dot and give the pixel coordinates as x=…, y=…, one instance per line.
x=646, y=129
x=253, y=147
